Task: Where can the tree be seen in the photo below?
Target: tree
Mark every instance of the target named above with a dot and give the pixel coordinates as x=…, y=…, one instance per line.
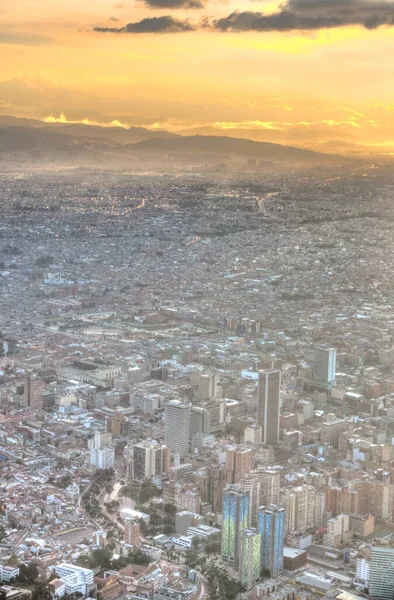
x=195, y=542
x=28, y=573
x=2, y=528
x=43, y=591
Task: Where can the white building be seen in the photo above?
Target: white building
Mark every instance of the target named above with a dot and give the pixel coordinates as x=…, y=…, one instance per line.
x=8, y=573
x=75, y=579
x=177, y=427
x=103, y=458
x=362, y=570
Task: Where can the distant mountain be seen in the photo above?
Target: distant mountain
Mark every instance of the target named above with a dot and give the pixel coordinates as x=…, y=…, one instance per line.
x=226, y=147
x=116, y=134
x=64, y=145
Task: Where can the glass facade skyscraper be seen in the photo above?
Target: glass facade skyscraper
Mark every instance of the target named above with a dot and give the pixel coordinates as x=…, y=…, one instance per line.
x=381, y=575
x=235, y=520
x=272, y=532
x=250, y=561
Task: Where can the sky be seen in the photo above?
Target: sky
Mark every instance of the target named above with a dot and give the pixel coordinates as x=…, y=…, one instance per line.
x=300, y=71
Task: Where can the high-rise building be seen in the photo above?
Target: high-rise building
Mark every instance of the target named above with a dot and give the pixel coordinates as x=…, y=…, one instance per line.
x=239, y=462
x=199, y=424
x=269, y=486
x=268, y=405
x=251, y=484
x=320, y=507
x=299, y=505
x=272, y=531
x=132, y=532
x=338, y=532
x=235, y=520
x=103, y=458
x=33, y=392
x=324, y=365
x=100, y=538
x=149, y=459
x=250, y=558
x=115, y=423
x=381, y=574
x=177, y=427
x=207, y=386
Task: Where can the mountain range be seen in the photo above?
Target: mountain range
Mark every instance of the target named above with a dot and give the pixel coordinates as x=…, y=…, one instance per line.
x=35, y=142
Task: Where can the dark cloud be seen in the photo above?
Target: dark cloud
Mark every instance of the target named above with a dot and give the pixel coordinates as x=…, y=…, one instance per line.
x=174, y=3
x=165, y=24
x=312, y=15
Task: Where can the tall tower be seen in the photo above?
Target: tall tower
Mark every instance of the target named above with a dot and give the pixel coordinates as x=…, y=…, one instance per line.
x=381, y=577
x=268, y=405
x=324, y=364
x=272, y=531
x=250, y=560
x=235, y=520
x=177, y=427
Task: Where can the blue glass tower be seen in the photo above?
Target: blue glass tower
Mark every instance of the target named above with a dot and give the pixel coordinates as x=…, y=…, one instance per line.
x=272, y=531
x=235, y=520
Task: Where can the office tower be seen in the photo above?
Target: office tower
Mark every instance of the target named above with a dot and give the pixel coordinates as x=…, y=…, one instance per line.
x=207, y=386
x=235, y=520
x=149, y=459
x=268, y=405
x=381, y=574
x=132, y=532
x=272, y=531
x=324, y=365
x=250, y=558
x=33, y=392
x=251, y=484
x=100, y=439
x=239, y=462
x=269, y=486
x=199, y=424
x=177, y=427
x=115, y=423
x=216, y=414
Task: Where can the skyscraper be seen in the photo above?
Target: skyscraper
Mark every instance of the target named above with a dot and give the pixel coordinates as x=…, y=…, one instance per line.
x=381, y=576
x=235, y=520
x=177, y=427
x=272, y=531
x=268, y=405
x=324, y=364
x=149, y=459
x=250, y=561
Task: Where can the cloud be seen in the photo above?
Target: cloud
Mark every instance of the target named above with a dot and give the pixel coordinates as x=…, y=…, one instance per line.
x=312, y=15
x=174, y=4
x=292, y=15
x=20, y=38
x=165, y=24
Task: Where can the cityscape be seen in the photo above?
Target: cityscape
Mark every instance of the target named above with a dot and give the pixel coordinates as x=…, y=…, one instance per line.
x=196, y=300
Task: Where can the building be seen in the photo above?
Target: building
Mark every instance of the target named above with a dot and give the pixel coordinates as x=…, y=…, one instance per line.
x=103, y=458
x=268, y=405
x=294, y=558
x=8, y=573
x=299, y=504
x=13, y=593
x=100, y=538
x=324, y=365
x=362, y=525
x=76, y=579
x=33, y=392
x=239, y=462
x=269, y=486
x=331, y=430
x=177, y=427
x=199, y=424
x=250, y=561
x=338, y=532
x=115, y=423
x=132, y=532
x=149, y=459
x=235, y=520
x=207, y=386
x=363, y=569
x=381, y=575
x=272, y=531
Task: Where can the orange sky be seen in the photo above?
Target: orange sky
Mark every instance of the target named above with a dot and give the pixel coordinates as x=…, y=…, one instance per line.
x=291, y=86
